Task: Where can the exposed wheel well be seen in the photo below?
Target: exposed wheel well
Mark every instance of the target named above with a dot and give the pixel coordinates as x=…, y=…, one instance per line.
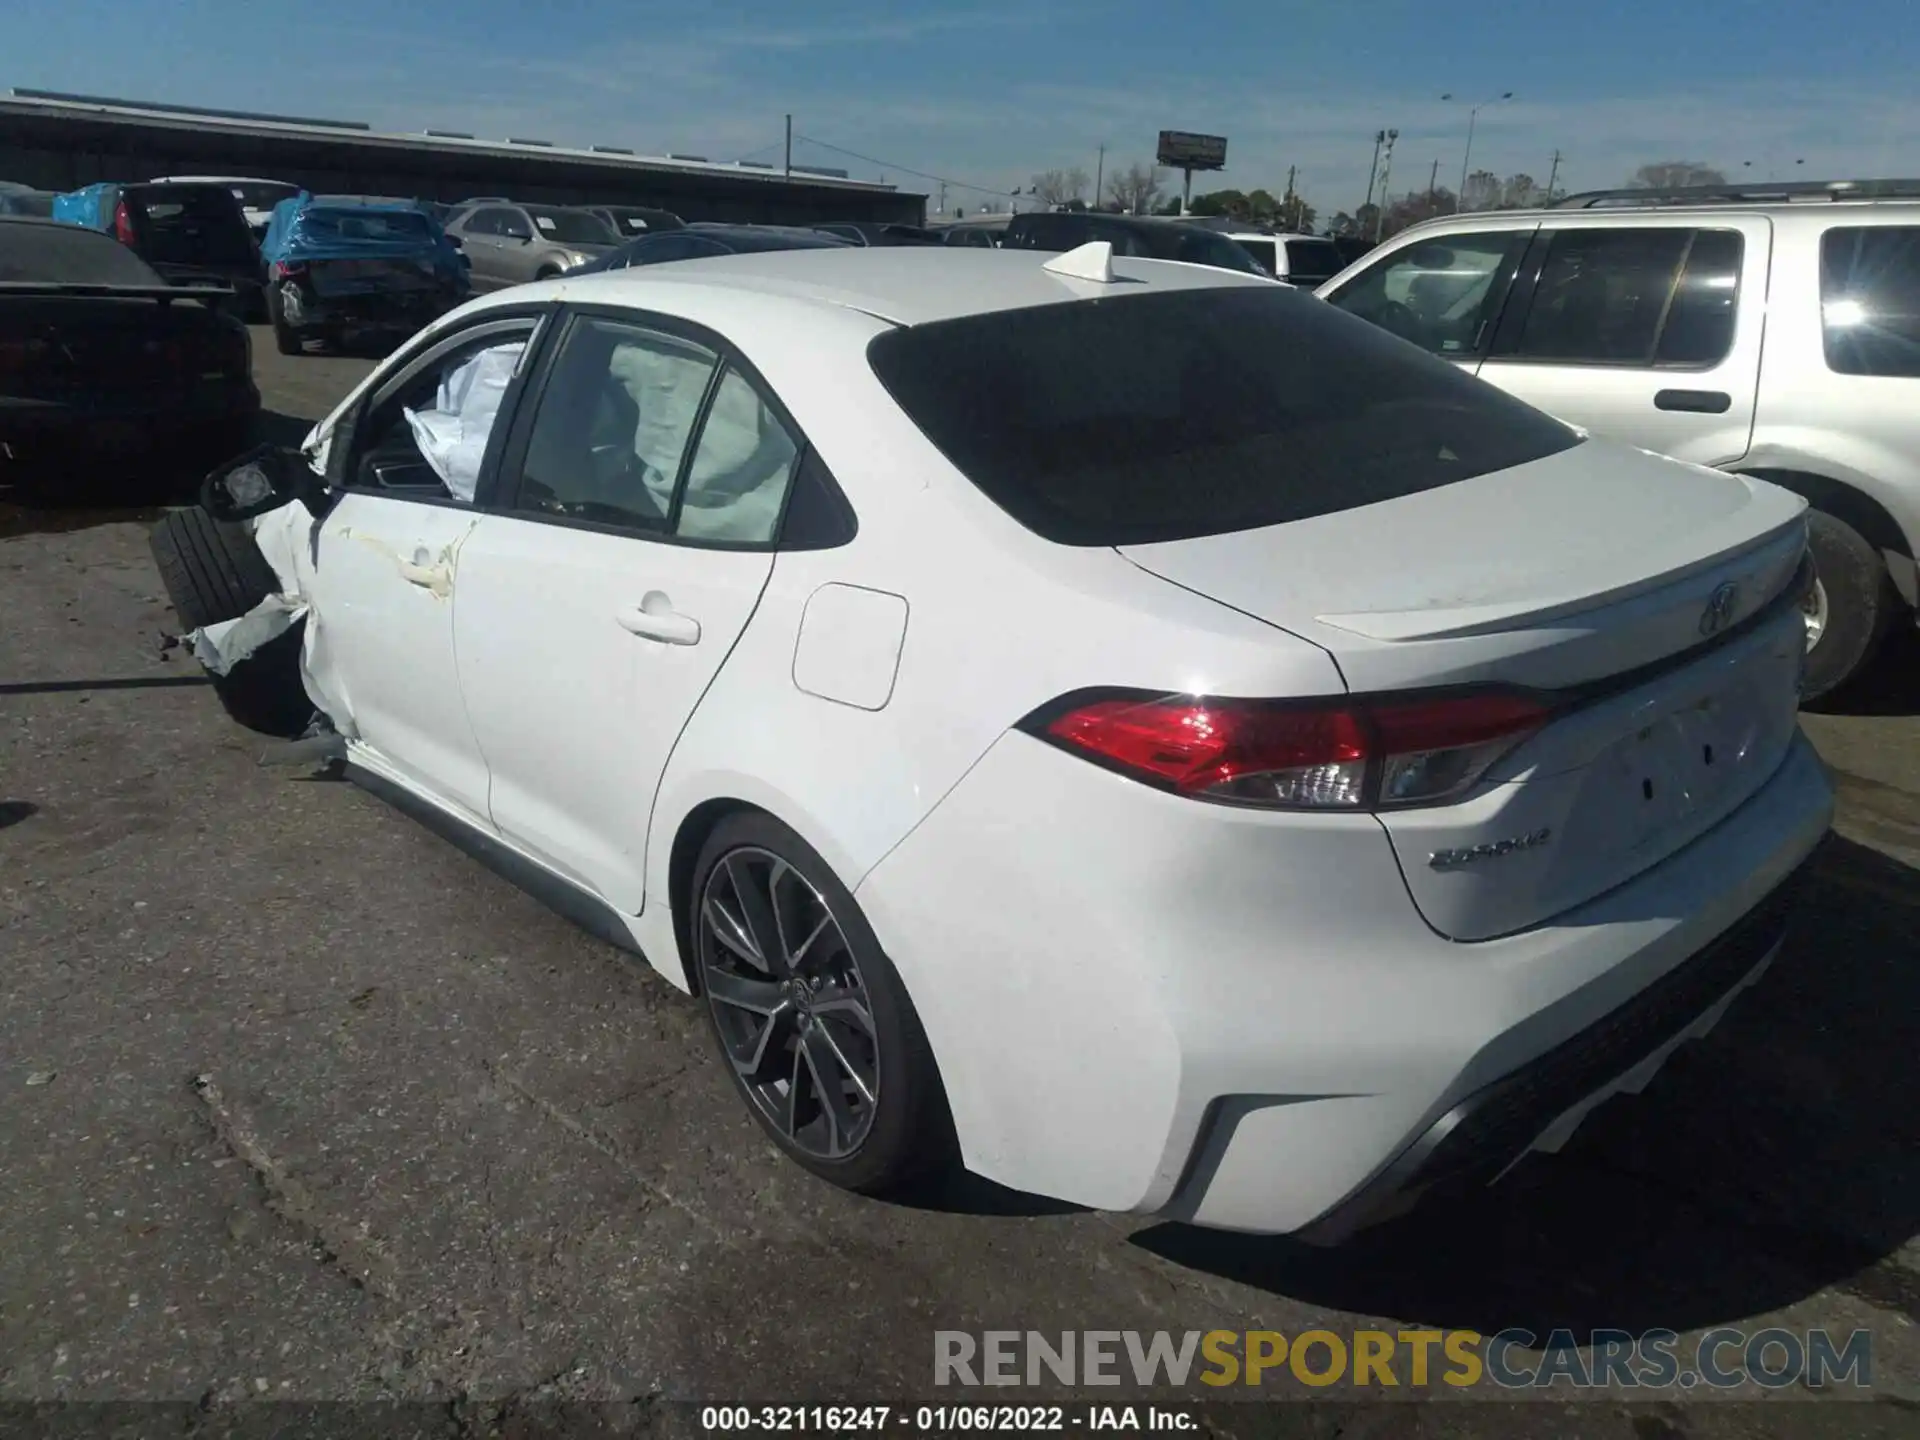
x=1840, y=500
x=687, y=843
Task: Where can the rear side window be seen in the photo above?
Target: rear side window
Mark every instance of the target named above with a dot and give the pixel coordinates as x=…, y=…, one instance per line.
x=68, y=255
x=1655, y=296
x=1870, y=299
x=1263, y=254
x=1171, y=415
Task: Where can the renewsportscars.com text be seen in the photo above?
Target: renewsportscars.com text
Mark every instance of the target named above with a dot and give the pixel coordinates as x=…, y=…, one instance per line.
x=1510, y=1359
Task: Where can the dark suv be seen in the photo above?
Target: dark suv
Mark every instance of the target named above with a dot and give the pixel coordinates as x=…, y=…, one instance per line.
x=1149, y=238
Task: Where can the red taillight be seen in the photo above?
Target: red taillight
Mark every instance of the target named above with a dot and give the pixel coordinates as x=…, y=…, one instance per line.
x=123, y=224
x=287, y=269
x=1343, y=754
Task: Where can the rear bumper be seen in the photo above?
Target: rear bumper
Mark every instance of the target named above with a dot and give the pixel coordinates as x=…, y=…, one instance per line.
x=1476, y=1141
x=379, y=309
x=1238, y=1019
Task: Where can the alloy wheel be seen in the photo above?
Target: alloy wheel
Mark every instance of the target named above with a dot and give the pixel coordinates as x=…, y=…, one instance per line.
x=1813, y=609
x=789, y=1003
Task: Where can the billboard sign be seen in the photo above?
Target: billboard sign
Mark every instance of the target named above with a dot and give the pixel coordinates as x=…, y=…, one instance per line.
x=1181, y=150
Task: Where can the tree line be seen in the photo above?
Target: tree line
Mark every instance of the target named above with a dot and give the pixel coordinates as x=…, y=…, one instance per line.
x=1142, y=189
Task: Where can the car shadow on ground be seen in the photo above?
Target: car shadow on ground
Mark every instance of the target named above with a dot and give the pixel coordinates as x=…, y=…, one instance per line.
x=1777, y=1157
x=1890, y=687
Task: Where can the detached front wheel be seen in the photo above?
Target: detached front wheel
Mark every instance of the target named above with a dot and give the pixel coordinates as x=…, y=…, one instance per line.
x=810, y=1017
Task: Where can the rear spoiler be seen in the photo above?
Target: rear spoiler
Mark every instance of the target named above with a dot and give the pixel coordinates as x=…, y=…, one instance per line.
x=162, y=293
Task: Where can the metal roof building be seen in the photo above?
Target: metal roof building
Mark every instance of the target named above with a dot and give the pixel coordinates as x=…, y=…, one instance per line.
x=60, y=142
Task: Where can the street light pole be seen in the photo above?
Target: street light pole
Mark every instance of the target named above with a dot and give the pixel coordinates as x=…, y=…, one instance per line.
x=1473, y=114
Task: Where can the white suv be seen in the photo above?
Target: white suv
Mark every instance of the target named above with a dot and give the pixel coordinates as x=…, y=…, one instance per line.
x=1777, y=337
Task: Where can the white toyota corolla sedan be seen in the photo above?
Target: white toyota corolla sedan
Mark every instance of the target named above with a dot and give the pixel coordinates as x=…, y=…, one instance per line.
x=1136, y=726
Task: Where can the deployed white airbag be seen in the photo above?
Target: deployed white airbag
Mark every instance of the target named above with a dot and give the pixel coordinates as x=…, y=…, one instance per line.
x=453, y=435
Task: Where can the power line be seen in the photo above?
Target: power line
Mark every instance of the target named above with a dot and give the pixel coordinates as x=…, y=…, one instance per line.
x=904, y=169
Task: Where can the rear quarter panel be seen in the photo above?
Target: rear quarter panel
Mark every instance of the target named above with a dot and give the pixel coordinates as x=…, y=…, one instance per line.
x=999, y=622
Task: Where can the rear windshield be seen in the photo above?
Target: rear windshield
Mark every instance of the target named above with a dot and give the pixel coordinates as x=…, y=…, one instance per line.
x=1197, y=412
x=191, y=224
x=262, y=194
x=68, y=255
x=572, y=227
x=347, y=224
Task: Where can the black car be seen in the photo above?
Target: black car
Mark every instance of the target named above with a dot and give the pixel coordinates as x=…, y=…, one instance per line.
x=874, y=232
x=701, y=239
x=1152, y=239
x=630, y=222
x=101, y=359
x=191, y=232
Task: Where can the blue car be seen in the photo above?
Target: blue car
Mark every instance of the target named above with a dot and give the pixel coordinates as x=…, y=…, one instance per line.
x=339, y=265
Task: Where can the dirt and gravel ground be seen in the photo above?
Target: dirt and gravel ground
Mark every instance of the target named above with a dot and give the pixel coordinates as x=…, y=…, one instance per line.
x=299, y=1103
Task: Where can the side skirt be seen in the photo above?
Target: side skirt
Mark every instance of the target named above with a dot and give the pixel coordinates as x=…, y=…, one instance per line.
x=589, y=912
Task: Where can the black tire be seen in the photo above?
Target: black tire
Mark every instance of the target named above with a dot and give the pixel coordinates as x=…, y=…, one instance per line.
x=1860, y=603
x=264, y=692
x=213, y=571
x=285, y=338
x=909, y=1134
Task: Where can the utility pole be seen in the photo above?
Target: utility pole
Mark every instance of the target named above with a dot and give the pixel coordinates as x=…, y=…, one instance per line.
x=1379, y=139
x=1386, y=169
x=1552, y=176
x=1433, y=179
x=943, y=197
x=789, y=147
x=1099, y=174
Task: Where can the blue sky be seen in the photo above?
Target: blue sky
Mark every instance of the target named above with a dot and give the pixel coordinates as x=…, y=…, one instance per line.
x=991, y=91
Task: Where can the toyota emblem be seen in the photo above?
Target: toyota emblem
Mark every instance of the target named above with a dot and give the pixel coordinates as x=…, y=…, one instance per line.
x=1720, y=608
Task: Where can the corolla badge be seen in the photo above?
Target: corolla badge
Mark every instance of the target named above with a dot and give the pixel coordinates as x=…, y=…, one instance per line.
x=1494, y=850
x=1720, y=607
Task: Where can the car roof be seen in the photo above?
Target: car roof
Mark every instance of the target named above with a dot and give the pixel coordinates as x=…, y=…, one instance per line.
x=1623, y=214
x=906, y=285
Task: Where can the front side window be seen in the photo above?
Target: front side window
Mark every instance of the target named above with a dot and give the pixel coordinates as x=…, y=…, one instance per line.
x=1602, y=295
x=513, y=224
x=1439, y=294
x=1870, y=299
x=427, y=438
x=614, y=423
x=1164, y=416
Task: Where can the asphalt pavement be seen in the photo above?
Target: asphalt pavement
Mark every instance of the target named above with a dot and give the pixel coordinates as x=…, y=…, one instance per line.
x=297, y=1102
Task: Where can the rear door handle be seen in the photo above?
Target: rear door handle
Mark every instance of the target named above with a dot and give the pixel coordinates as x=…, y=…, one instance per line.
x=1699, y=402
x=656, y=619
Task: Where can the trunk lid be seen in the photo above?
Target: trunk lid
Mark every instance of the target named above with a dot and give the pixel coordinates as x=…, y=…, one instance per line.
x=101, y=351
x=1653, y=591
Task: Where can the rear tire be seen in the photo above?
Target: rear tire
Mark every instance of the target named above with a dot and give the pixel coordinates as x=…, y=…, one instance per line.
x=1860, y=603
x=285, y=337
x=904, y=1134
